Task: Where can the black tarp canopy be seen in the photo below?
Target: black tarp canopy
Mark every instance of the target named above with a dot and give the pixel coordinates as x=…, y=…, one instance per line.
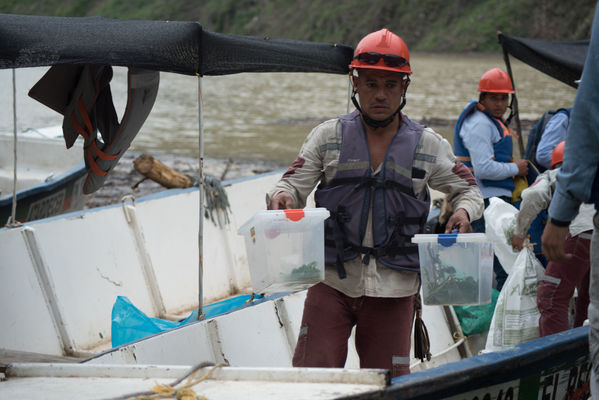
x=562, y=60
x=172, y=46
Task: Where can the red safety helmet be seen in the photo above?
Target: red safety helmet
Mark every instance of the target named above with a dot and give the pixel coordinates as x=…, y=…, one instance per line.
x=558, y=154
x=495, y=81
x=382, y=50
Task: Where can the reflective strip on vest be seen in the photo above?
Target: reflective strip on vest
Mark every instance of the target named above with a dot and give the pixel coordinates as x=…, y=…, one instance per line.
x=348, y=197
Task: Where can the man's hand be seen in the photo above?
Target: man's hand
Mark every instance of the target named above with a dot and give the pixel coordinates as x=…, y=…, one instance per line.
x=522, y=167
x=460, y=221
x=281, y=201
x=517, y=242
x=553, y=242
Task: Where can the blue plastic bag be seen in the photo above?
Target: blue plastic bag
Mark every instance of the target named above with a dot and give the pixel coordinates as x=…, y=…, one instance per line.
x=130, y=324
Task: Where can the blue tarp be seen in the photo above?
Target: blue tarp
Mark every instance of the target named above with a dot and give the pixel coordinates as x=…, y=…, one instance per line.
x=130, y=324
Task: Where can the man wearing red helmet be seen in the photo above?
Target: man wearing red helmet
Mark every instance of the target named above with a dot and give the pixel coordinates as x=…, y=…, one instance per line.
x=483, y=143
x=374, y=167
x=561, y=277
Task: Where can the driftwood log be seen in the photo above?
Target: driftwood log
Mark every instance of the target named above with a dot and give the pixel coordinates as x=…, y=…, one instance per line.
x=160, y=173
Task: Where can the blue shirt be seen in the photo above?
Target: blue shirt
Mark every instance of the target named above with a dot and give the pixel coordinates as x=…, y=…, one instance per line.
x=581, y=156
x=554, y=133
x=479, y=134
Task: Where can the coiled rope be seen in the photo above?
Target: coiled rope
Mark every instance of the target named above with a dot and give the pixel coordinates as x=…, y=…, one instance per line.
x=176, y=390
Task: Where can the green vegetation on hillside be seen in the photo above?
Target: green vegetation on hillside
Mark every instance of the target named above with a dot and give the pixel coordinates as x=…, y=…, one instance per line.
x=426, y=25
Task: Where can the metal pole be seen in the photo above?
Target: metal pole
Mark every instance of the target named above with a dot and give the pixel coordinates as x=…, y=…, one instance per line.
x=201, y=206
x=506, y=58
x=13, y=218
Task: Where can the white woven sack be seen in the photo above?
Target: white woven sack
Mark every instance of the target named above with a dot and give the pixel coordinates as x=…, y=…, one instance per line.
x=500, y=219
x=516, y=316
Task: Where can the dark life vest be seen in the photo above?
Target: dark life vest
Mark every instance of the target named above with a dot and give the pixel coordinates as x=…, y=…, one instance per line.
x=536, y=132
x=81, y=93
x=397, y=214
x=502, y=149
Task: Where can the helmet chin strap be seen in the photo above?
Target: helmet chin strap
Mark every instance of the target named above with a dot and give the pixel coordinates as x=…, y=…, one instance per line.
x=374, y=123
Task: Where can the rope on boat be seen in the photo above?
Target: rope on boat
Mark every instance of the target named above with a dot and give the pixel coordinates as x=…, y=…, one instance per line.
x=171, y=391
x=442, y=352
x=217, y=202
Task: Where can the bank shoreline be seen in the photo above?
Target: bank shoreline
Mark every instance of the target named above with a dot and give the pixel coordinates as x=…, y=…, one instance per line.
x=124, y=180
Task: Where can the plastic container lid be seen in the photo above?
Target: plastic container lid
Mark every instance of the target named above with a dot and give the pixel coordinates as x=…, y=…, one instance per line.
x=301, y=216
x=447, y=239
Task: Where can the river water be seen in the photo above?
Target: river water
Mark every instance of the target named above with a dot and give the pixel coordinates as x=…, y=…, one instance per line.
x=265, y=117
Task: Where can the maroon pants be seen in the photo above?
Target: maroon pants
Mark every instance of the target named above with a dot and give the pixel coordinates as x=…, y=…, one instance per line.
x=557, y=287
x=383, y=328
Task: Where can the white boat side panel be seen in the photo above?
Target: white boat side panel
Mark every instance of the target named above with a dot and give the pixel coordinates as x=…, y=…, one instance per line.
x=228, y=276
x=250, y=337
x=263, y=335
x=101, y=382
x=91, y=259
x=103, y=262
x=172, y=244
x=254, y=337
x=268, y=341
x=222, y=339
x=294, y=304
x=184, y=346
x=352, y=360
x=103, y=388
x=26, y=320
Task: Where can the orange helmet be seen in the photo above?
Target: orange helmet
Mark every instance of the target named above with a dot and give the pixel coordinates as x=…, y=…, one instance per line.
x=495, y=81
x=558, y=154
x=382, y=50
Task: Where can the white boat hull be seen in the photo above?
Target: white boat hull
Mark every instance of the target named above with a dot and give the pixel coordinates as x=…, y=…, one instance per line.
x=59, y=381
x=556, y=366
x=147, y=250
x=64, y=273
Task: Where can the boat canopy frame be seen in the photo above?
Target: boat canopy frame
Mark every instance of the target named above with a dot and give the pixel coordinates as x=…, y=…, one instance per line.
x=561, y=60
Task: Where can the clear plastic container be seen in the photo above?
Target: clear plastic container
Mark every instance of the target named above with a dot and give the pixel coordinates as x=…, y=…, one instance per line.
x=285, y=249
x=455, y=268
